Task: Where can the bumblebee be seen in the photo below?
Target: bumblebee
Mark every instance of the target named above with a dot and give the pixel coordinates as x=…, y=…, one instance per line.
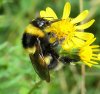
x=40, y=50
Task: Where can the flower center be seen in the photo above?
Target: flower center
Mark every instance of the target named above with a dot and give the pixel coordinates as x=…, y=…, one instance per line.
x=63, y=29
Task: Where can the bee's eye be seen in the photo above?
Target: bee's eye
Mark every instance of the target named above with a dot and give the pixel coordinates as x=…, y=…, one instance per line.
x=41, y=24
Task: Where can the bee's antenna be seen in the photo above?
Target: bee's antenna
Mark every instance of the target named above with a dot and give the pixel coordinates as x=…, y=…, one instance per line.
x=55, y=20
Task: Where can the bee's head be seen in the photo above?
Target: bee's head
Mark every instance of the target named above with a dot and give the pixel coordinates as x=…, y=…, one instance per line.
x=40, y=23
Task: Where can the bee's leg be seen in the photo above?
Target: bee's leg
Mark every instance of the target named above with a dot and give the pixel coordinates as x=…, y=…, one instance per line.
x=53, y=63
x=54, y=60
x=54, y=44
x=67, y=60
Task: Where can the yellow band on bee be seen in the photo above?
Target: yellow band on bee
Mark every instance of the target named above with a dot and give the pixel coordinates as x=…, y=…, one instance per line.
x=31, y=50
x=34, y=30
x=52, y=40
x=47, y=59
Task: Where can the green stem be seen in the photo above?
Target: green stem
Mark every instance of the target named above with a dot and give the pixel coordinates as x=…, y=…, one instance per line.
x=83, y=66
x=35, y=86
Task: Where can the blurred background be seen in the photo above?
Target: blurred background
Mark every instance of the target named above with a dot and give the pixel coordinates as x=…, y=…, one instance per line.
x=17, y=75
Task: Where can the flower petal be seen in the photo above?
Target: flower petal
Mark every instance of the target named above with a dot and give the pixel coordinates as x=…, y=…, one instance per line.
x=77, y=42
x=43, y=13
x=80, y=17
x=96, y=50
x=67, y=45
x=93, y=62
x=95, y=46
x=94, y=58
x=84, y=35
x=86, y=25
x=66, y=11
x=98, y=56
x=94, y=55
x=90, y=41
x=89, y=64
x=51, y=13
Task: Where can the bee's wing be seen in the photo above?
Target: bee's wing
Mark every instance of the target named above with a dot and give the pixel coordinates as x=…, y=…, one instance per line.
x=39, y=64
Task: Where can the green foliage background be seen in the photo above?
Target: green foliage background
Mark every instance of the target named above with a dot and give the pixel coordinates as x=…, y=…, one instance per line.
x=17, y=75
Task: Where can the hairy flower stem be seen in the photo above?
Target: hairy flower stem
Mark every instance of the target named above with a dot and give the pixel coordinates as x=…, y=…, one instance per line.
x=83, y=66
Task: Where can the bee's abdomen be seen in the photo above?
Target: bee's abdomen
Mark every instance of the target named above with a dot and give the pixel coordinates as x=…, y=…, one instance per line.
x=28, y=40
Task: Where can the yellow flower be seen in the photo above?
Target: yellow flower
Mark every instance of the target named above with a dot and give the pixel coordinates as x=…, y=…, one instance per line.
x=89, y=54
x=67, y=28
x=99, y=56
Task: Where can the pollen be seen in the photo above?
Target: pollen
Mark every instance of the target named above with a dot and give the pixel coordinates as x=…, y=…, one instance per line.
x=63, y=29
